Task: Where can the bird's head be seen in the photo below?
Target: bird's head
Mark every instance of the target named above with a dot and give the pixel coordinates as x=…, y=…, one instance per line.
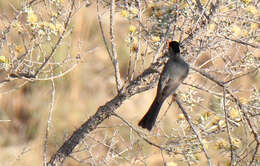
x=174, y=48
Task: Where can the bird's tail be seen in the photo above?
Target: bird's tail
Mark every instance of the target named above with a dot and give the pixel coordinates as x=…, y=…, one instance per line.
x=149, y=119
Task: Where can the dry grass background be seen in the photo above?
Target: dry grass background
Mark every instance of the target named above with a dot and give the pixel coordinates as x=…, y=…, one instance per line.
x=80, y=93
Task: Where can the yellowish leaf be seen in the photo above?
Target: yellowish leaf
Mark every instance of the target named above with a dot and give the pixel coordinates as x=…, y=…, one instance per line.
x=244, y=33
x=243, y=100
x=17, y=26
x=19, y=48
x=183, y=5
x=236, y=30
x=234, y=113
x=247, y=1
x=252, y=9
x=171, y=164
x=181, y=117
x=224, y=9
x=124, y=13
x=205, y=143
x=31, y=17
x=198, y=156
x=258, y=39
x=134, y=11
x=212, y=27
x=2, y=59
x=221, y=144
x=254, y=26
x=132, y=29
x=59, y=27
x=156, y=38
x=203, y=2
x=222, y=123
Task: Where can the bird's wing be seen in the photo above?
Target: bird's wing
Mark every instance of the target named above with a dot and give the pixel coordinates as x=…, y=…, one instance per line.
x=167, y=86
x=170, y=88
x=164, y=79
x=171, y=77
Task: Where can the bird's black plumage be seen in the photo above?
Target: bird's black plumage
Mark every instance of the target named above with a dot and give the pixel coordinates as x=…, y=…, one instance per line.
x=174, y=72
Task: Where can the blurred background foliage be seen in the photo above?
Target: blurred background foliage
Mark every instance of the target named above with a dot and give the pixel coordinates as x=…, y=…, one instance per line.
x=84, y=79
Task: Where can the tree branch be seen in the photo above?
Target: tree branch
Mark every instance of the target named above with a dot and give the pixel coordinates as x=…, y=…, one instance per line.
x=136, y=86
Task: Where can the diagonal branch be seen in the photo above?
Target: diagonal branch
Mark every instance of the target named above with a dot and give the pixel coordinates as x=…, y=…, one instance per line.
x=195, y=131
x=245, y=74
x=241, y=42
x=136, y=86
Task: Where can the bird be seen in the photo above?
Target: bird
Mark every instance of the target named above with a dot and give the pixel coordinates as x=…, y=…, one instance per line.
x=172, y=75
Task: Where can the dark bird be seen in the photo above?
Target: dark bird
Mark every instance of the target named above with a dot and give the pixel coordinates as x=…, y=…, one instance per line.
x=173, y=73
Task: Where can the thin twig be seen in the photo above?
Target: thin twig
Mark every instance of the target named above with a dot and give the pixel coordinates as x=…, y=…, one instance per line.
x=164, y=40
x=195, y=131
x=113, y=56
x=138, y=133
x=228, y=128
x=202, y=89
x=112, y=149
x=199, y=6
x=14, y=88
x=238, y=17
x=20, y=155
x=138, y=42
x=5, y=120
x=102, y=29
x=256, y=137
x=48, y=123
x=242, y=75
x=203, y=73
x=241, y=42
x=164, y=163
